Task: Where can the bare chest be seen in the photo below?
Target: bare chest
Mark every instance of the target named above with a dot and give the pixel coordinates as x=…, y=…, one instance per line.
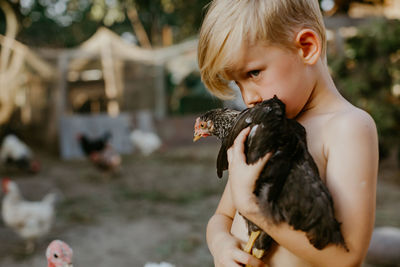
x=316, y=143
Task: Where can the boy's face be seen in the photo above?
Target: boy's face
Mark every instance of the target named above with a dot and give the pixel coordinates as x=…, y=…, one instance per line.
x=264, y=71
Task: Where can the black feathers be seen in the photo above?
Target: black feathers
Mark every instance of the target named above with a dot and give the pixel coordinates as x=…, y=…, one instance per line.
x=289, y=188
x=93, y=145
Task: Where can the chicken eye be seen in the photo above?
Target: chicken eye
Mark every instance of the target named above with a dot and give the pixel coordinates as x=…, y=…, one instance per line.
x=203, y=125
x=55, y=256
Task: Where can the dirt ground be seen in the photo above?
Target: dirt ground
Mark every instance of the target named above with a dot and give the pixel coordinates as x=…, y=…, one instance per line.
x=155, y=210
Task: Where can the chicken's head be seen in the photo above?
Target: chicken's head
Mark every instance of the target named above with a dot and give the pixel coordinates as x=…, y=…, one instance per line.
x=202, y=128
x=59, y=254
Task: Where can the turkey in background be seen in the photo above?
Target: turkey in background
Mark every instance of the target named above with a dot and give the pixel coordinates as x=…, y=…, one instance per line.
x=59, y=254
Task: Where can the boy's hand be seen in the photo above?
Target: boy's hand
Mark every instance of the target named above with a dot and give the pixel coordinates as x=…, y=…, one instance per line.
x=228, y=253
x=243, y=176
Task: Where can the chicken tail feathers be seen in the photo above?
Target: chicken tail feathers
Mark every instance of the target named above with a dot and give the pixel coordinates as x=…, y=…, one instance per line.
x=329, y=236
x=51, y=198
x=337, y=238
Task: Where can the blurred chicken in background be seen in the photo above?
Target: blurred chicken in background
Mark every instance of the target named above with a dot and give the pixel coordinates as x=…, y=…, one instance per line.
x=108, y=159
x=146, y=142
x=29, y=219
x=100, y=152
x=161, y=264
x=91, y=145
x=15, y=153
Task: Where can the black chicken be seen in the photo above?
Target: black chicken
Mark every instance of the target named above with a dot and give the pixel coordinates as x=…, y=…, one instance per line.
x=91, y=145
x=100, y=152
x=16, y=154
x=289, y=188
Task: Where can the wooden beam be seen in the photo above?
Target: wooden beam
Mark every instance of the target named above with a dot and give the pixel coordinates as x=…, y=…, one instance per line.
x=138, y=26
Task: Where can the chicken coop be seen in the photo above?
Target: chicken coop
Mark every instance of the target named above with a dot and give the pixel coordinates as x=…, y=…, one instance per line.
x=109, y=85
x=26, y=81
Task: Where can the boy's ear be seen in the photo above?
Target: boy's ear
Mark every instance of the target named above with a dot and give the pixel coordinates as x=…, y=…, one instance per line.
x=309, y=45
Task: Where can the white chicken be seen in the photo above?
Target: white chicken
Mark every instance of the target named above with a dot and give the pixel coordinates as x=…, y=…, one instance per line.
x=15, y=152
x=146, y=142
x=161, y=264
x=30, y=219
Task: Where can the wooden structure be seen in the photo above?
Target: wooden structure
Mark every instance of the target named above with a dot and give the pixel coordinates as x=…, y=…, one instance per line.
x=23, y=75
x=111, y=80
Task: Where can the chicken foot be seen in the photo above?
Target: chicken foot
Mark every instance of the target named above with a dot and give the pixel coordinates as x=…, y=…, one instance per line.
x=258, y=253
x=29, y=246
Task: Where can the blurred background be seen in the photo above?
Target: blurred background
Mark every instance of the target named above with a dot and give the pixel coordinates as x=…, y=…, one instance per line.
x=97, y=105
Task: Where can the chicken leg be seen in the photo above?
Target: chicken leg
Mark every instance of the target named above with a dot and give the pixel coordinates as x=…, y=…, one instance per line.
x=29, y=246
x=258, y=253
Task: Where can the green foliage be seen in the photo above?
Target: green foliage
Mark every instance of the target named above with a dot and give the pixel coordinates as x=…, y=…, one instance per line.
x=59, y=23
x=183, y=16
x=367, y=73
x=191, y=97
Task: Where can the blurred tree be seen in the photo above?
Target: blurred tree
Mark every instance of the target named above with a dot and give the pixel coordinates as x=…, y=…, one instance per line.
x=368, y=74
x=342, y=6
x=66, y=23
x=53, y=23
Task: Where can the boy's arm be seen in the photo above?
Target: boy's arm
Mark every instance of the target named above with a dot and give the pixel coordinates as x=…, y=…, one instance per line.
x=224, y=247
x=352, y=160
x=351, y=176
x=220, y=223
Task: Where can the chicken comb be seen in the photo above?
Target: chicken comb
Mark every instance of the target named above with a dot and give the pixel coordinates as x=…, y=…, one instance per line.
x=4, y=183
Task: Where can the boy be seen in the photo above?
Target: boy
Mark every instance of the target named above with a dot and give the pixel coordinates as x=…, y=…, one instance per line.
x=278, y=47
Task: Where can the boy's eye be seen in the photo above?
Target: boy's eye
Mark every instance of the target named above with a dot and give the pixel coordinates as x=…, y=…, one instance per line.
x=254, y=73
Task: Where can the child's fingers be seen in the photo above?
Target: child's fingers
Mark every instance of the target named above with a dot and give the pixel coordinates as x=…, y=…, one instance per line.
x=238, y=144
x=245, y=258
x=262, y=161
x=259, y=165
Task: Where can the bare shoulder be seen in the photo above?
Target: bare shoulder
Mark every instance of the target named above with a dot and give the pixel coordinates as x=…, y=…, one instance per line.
x=351, y=122
x=351, y=146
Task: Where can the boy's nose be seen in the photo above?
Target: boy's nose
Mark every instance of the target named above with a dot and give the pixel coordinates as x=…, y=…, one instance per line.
x=251, y=98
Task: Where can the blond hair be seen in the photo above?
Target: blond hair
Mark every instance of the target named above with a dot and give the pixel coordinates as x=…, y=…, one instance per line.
x=230, y=23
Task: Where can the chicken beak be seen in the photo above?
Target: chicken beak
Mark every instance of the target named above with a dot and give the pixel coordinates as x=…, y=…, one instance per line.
x=196, y=137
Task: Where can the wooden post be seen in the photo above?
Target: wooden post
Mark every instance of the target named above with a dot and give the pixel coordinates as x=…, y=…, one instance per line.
x=160, y=101
x=167, y=35
x=58, y=98
x=138, y=26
